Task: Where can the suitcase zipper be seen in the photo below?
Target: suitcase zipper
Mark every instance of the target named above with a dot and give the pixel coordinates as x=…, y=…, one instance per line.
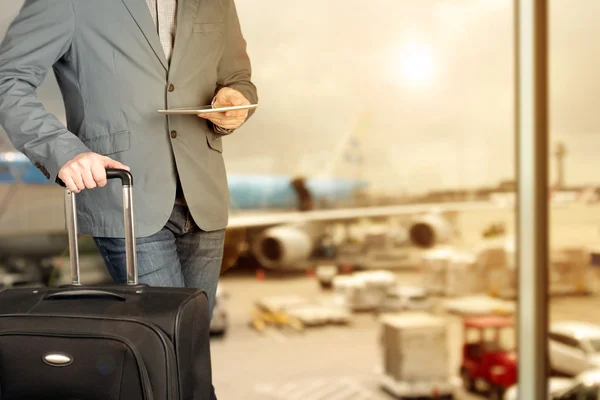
x=172, y=371
x=148, y=395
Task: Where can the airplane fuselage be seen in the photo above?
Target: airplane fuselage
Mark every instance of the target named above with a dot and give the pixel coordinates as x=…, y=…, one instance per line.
x=32, y=216
x=247, y=191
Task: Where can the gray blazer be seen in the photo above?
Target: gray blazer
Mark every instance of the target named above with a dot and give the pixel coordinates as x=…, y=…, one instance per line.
x=114, y=76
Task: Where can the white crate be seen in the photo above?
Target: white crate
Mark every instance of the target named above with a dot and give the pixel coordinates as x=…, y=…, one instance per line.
x=414, y=347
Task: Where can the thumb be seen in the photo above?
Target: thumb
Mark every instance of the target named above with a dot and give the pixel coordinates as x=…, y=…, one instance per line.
x=110, y=163
x=234, y=97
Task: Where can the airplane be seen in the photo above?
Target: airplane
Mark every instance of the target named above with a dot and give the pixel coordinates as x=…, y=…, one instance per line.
x=31, y=222
x=279, y=220
x=262, y=219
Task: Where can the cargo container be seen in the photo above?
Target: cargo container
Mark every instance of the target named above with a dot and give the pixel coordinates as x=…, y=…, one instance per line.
x=415, y=357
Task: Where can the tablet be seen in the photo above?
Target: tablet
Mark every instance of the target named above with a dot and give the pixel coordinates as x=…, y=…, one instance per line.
x=205, y=109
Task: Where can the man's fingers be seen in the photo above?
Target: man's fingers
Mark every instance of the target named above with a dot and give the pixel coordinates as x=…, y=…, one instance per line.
x=87, y=171
x=66, y=176
x=230, y=123
x=230, y=97
x=229, y=119
x=68, y=181
x=236, y=114
x=88, y=178
x=110, y=163
x=211, y=116
x=235, y=98
x=78, y=181
x=235, y=120
x=99, y=174
x=218, y=120
x=71, y=185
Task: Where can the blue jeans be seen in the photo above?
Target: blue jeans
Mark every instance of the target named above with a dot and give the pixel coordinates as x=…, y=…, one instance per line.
x=179, y=255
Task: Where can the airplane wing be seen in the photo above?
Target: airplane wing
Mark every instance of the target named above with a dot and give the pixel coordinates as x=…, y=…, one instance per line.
x=254, y=220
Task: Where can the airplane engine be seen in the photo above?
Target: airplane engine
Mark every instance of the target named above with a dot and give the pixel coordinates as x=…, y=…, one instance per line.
x=283, y=247
x=427, y=230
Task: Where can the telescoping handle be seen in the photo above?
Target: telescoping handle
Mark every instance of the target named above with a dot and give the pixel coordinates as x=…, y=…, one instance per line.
x=71, y=220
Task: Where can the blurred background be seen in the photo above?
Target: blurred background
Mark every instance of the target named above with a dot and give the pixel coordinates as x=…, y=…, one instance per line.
x=370, y=252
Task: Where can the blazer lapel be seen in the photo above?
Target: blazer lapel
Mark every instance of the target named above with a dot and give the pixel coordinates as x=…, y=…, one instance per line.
x=140, y=13
x=186, y=12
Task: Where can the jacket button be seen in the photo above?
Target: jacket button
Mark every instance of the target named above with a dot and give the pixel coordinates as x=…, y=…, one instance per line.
x=173, y=134
x=171, y=88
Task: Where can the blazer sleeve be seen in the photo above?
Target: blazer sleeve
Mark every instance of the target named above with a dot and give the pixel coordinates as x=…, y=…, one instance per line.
x=234, y=68
x=37, y=38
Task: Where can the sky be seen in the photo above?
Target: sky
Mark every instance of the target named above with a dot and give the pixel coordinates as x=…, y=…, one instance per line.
x=433, y=80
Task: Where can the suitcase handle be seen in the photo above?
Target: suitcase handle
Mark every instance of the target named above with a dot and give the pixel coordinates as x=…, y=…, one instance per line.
x=67, y=294
x=71, y=220
x=124, y=175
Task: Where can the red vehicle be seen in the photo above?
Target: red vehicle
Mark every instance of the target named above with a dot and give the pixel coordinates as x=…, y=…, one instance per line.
x=489, y=361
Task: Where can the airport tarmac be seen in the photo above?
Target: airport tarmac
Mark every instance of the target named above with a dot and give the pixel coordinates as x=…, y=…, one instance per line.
x=326, y=363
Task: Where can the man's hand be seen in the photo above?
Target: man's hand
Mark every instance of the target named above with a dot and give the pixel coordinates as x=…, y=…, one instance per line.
x=86, y=171
x=231, y=119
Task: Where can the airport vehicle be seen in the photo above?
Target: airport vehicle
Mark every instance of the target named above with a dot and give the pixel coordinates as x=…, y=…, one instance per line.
x=489, y=361
x=272, y=312
x=299, y=312
x=574, y=347
x=415, y=357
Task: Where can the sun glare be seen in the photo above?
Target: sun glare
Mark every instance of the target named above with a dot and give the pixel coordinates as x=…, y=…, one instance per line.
x=416, y=64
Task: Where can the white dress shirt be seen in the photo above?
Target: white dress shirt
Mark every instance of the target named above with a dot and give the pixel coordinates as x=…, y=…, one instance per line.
x=164, y=13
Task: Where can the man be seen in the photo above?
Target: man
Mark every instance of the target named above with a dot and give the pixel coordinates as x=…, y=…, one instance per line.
x=117, y=62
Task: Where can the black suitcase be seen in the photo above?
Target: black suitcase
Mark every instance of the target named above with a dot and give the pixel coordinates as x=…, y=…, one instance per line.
x=111, y=342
